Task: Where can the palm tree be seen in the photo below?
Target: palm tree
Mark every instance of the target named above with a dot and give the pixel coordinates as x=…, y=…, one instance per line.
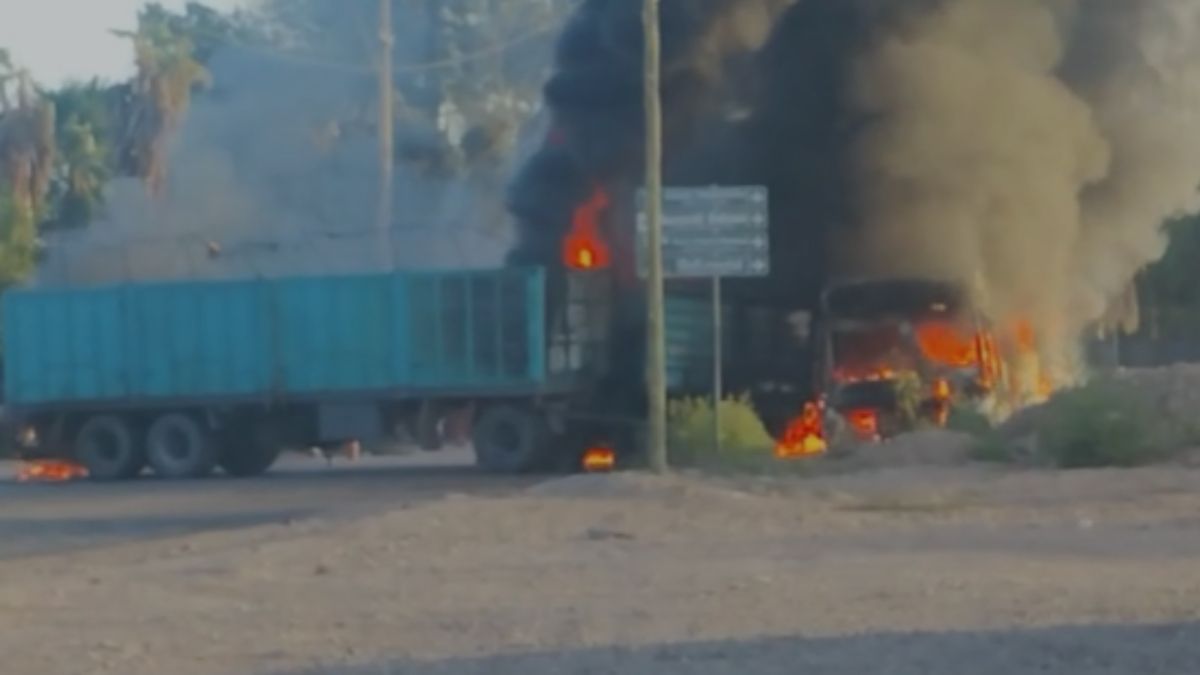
x=167, y=72
x=86, y=140
x=27, y=153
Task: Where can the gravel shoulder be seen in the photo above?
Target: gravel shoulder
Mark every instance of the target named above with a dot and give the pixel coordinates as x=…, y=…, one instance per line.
x=901, y=570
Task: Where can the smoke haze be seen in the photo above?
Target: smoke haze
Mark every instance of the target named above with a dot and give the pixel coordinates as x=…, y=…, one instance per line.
x=276, y=171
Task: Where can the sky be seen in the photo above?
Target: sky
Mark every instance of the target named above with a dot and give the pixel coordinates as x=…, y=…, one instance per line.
x=63, y=40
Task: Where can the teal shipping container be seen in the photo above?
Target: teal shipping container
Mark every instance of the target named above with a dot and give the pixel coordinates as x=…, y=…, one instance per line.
x=278, y=339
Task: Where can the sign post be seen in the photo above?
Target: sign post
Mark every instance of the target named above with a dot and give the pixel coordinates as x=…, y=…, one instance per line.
x=710, y=233
x=718, y=362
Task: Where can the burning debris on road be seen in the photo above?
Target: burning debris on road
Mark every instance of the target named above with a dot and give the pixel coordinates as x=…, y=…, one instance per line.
x=50, y=471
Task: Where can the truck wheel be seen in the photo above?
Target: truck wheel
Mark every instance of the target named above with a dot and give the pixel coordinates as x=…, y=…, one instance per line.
x=250, y=450
x=509, y=439
x=178, y=446
x=107, y=448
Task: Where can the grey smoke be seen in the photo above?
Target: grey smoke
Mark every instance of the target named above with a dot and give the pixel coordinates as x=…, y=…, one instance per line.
x=1032, y=149
x=276, y=170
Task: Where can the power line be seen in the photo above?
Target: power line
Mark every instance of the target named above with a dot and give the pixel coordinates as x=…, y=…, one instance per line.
x=552, y=26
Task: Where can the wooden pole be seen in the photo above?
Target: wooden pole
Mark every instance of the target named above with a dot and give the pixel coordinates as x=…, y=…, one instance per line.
x=656, y=356
x=387, y=132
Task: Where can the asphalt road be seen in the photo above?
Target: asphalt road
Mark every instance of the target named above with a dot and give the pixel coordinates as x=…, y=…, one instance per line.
x=37, y=519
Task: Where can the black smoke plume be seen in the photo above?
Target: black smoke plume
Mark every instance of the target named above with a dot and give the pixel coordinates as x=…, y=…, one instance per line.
x=1029, y=150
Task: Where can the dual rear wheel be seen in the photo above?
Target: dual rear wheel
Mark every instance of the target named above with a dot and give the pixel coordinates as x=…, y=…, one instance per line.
x=175, y=446
x=517, y=439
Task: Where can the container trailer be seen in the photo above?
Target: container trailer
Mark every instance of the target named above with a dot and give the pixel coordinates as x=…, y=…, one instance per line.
x=183, y=377
x=186, y=376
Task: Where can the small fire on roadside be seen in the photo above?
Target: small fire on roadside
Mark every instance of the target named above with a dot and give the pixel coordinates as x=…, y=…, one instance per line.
x=50, y=471
x=600, y=459
x=805, y=435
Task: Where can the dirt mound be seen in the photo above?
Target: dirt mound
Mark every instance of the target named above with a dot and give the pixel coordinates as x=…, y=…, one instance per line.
x=630, y=485
x=934, y=447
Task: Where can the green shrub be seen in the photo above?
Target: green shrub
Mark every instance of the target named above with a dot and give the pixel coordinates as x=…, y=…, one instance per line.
x=987, y=443
x=1105, y=425
x=910, y=392
x=744, y=439
x=969, y=420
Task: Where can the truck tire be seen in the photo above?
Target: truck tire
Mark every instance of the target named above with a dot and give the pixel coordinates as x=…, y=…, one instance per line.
x=108, y=448
x=510, y=439
x=178, y=446
x=249, y=450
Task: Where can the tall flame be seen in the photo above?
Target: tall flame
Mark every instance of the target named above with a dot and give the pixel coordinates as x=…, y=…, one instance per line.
x=584, y=247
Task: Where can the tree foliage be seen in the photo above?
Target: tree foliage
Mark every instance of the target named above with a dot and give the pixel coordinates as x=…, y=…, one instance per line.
x=468, y=72
x=167, y=72
x=87, y=139
x=1169, y=290
x=27, y=156
x=1172, y=280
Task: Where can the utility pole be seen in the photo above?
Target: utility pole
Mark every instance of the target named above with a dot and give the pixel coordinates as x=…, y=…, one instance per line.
x=656, y=361
x=387, y=132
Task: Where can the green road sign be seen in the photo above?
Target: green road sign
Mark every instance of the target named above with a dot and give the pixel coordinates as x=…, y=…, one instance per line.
x=711, y=232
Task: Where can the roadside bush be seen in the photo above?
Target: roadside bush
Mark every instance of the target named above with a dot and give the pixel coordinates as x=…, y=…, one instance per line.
x=744, y=439
x=968, y=420
x=987, y=443
x=909, y=393
x=1104, y=424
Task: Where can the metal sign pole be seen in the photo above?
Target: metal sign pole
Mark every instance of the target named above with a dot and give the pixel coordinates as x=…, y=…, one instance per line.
x=718, y=361
x=695, y=233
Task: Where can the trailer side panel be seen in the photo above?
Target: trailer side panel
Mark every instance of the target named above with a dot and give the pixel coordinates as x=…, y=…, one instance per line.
x=276, y=339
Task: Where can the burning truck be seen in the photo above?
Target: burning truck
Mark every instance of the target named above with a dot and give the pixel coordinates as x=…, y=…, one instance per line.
x=984, y=142
x=892, y=355
x=895, y=353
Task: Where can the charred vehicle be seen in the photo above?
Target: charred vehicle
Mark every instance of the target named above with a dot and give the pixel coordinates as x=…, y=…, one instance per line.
x=896, y=353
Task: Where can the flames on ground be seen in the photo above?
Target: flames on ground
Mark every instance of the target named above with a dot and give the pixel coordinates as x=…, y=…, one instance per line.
x=50, y=471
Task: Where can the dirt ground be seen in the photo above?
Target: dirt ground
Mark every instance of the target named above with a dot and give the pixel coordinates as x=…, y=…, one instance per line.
x=905, y=570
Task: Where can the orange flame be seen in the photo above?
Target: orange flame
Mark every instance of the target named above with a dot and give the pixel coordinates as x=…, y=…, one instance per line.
x=584, y=247
x=805, y=435
x=942, y=342
x=1025, y=336
x=1026, y=342
x=865, y=423
x=50, y=471
x=988, y=359
x=942, y=390
x=599, y=460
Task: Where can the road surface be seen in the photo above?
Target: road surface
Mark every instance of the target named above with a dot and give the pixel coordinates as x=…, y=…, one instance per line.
x=47, y=518
x=397, y=571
